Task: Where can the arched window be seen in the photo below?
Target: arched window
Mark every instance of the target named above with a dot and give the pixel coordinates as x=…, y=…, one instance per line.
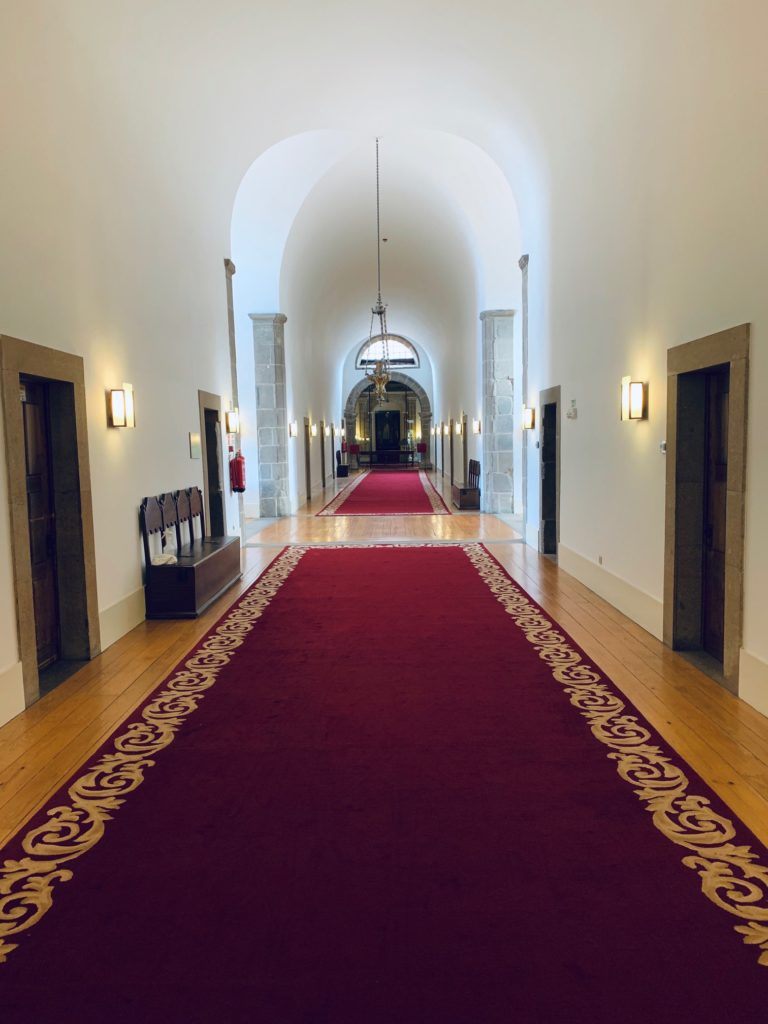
x=401, y=352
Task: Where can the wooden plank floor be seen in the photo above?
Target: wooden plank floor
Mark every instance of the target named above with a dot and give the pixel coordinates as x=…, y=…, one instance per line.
x=722, y=738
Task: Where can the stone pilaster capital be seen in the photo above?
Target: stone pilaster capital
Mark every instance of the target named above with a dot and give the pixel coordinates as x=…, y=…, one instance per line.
x=268, y=318
x=496, y=314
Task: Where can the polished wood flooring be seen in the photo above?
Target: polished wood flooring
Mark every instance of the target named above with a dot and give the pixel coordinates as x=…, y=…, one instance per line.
x=722, y=738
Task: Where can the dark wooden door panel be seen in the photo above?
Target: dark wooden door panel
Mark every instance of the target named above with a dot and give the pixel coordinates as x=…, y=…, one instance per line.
x=42, y=520
x=213, y=462
x=715, y=494
x=549, y=478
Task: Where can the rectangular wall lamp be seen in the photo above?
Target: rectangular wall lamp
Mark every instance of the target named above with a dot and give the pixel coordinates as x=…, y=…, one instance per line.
x=293, y=429
x=475, y=426
x=634, y=399
x=457, y=426
x=313, y=429
x=327, y=431
x=446, y=429
x=232, y=421
x=120, y=407
x=529, y=418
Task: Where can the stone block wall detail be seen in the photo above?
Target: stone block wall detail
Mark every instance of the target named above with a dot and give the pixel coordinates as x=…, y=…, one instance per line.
x=271, y=412
x=497, y=490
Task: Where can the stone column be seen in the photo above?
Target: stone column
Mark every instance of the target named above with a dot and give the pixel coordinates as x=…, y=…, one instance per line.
x=498, y=411
x=271, y=412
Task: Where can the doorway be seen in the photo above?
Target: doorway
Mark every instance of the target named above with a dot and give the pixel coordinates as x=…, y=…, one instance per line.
x=706, y=458
x=212, y=467
x=51, y=513
x=308, y=458
x=387, y=424
x=322, y=454
x=549, y=535
x=41, y=518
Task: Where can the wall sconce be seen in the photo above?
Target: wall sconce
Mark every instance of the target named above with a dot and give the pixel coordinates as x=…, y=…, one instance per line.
x=446, y=430
x=529, y=418
x=313, y=430
x=293, y=429
x=121, y=411
x=634, y=399
x=457, y=426
x=232, y=421
x=475, y=426
x=327, y=430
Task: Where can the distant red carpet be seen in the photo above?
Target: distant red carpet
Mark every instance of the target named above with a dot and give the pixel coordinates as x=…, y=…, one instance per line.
x=386, y=789
x=383, y=493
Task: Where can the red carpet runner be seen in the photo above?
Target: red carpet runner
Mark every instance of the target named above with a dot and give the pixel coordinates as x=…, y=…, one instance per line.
x=388, y=493
x=385, y=790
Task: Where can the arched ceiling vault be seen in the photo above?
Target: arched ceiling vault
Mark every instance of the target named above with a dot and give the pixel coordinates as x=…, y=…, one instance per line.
x=304, y=234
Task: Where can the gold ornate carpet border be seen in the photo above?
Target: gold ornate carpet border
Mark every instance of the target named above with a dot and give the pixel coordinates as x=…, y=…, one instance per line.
x=730, y=874
x=73, y=828
x=341, y=497
x=438, y=505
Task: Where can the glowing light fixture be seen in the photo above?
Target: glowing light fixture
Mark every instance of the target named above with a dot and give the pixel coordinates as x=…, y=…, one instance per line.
x=529, y=418
x=293, y=429
x=446, y=430
x=327, y=430
x=475, y=426
x=232, y=421
x=313, y=429
x=634, y=399
x=120, y=406
x=380, y=375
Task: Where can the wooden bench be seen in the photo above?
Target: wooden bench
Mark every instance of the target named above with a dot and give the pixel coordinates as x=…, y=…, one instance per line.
x=468, y=495
x=205, y=566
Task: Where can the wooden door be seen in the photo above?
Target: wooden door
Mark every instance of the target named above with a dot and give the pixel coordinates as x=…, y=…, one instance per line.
x=213, y=463
x=451, y=435
x=308, y=458
x=42, y=519
x=715, y=492
x=549, y=478
x=387, y=430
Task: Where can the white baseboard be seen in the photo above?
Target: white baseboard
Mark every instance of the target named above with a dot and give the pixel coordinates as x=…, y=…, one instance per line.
x=121, y=617
x=753, y=681
x=636, y=604
x=11, y=693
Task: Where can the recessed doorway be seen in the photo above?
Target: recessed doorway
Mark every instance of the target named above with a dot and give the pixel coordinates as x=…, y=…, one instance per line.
x=213, y=474
x=51, y=513
x=706, y=458
x=549, y=411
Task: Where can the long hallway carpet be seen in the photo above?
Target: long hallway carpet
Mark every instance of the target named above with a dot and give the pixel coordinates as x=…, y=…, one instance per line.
x=388, y=493
x=386, y=789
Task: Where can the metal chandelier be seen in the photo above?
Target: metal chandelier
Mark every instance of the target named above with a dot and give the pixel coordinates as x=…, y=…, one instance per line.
x=379, y=376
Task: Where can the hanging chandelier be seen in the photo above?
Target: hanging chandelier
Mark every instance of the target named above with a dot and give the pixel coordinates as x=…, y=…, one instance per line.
x=379, y=376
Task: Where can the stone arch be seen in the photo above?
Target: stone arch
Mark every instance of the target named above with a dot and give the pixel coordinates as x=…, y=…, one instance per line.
x=401, y=378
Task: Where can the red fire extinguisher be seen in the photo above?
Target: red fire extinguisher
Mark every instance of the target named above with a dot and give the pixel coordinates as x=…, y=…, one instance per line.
x=237, y=473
